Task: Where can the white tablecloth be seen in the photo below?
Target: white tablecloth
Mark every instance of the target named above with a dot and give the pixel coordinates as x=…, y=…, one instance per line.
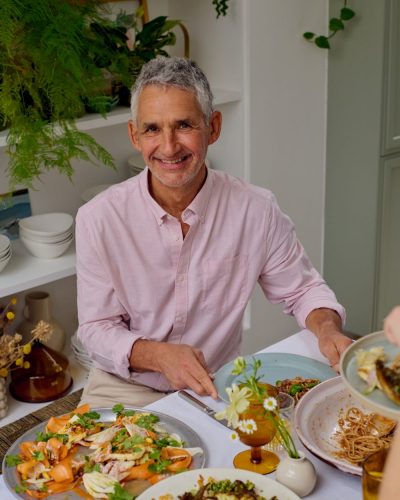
x=331, y=485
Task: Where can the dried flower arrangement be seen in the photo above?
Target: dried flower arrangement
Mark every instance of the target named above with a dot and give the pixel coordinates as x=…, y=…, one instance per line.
x=12, y=352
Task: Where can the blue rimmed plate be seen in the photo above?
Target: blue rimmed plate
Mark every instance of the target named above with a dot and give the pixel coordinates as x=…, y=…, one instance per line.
x=274, y=366
x=377, y=399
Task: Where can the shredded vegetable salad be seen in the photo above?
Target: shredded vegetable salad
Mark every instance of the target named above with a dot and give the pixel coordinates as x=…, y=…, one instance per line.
x=99, y=459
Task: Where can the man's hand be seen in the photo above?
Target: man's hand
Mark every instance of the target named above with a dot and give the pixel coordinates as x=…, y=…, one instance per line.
x=184, y=366
x=327, y=326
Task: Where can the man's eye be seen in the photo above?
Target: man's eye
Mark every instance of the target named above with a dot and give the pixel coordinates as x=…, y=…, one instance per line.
x=151, y=129
x=183, y=125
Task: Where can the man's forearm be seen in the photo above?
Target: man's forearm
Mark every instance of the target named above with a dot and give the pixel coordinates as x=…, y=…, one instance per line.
x=323, y=320
x=143, y=356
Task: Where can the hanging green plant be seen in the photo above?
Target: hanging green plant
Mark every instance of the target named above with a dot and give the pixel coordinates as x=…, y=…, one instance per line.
x=336, y=24
x=57, y=59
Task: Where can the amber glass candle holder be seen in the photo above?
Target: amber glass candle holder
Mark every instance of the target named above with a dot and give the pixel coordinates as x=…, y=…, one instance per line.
x=48, y=377
x=257, y=459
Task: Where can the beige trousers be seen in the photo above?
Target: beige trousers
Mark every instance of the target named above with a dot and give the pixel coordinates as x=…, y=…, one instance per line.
x=104, y=390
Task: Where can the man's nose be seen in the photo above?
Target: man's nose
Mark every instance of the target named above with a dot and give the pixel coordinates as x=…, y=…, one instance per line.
x=169, y=143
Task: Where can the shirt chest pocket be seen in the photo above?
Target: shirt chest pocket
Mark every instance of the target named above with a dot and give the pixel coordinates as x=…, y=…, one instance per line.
x=224, y=283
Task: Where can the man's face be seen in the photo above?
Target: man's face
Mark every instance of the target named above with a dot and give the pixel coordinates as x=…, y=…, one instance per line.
x=172, y=135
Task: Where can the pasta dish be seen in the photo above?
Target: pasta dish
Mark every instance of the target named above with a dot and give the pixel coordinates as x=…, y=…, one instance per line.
x=362, y=434
x=297, y=386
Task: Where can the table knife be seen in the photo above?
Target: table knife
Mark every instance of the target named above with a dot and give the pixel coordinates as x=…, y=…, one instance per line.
x=201, y=406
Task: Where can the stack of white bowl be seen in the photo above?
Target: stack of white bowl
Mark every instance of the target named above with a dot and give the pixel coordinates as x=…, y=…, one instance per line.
x=80, y=352
x=5, y=251
x=48, y=235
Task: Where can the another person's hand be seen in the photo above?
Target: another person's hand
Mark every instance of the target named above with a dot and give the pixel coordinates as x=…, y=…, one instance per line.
x=184, y=366
x=391, y=326
x=332, y=344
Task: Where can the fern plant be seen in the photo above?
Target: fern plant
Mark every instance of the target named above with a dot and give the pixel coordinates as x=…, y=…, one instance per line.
x=54, y=56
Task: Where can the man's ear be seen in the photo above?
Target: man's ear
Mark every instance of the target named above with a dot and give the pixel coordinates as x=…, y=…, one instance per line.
x=133, y=135
x=215, y=126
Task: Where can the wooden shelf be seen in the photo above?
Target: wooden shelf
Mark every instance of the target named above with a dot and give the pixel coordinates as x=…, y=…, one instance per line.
x=122, y=114
x=25, y=271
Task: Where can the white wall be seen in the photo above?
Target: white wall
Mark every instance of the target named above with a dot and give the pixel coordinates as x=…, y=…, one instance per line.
x=286, y=91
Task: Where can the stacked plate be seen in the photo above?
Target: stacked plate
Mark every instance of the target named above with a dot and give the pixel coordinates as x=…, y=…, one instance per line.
x=5, y=251
x=48, y=235
x=80, y=353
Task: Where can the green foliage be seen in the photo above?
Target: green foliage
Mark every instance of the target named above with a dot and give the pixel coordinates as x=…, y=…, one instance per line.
x=335, y=24
x=55, y=58
x=221, y=7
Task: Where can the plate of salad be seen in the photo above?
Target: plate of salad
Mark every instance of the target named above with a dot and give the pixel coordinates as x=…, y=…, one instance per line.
x=113, y=453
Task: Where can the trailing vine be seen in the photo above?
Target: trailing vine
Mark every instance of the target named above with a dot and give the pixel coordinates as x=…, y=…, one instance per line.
x=335, y=24
x=221, y=7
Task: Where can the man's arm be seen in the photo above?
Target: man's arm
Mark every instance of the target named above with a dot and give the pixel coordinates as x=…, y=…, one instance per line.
x=326, y=324
x=184, y=366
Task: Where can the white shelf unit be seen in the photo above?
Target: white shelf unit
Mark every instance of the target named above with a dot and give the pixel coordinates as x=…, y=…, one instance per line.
x=122, y=114
x=25, y=271
x=18, y=409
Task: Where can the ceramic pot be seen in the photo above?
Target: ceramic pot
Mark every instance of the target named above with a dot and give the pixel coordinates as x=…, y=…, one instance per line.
x=3, y=398
x=48, y=377
x=298, y=474
x=37, y=308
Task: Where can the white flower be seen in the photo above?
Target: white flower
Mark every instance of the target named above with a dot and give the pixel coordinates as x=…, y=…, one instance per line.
x=234, y=436
x=238, y=404
x=270, y=404
x=247, y=426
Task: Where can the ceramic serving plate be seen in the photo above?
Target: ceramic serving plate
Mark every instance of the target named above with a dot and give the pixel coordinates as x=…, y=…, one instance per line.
x=172, y=425
x=274, y=366
x=376, y=400
x=316, y=421
x=187, y=481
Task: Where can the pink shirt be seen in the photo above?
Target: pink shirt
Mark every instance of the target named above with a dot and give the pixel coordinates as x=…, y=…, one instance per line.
x=138, y=278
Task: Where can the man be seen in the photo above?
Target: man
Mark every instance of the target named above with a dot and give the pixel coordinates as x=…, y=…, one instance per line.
x=167, y=260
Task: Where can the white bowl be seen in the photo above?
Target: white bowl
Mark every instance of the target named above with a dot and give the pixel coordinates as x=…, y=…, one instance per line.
x=4, y=243
x=51, y=224
x=45, y=250
x=45, y=239
x=316, y=421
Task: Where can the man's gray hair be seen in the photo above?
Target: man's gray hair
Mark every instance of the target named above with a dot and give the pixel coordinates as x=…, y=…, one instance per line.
x=177, y=72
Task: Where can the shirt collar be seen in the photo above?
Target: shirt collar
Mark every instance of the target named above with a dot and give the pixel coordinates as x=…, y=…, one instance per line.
x=198, y=206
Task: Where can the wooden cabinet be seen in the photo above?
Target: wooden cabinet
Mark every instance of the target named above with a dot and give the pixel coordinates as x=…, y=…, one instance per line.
x=362, y=229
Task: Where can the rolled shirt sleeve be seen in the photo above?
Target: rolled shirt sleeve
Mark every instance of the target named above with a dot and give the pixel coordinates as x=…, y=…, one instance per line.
x=288, y=275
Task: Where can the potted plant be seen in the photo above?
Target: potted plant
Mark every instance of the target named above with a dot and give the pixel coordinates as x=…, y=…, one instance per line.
x=55, y=57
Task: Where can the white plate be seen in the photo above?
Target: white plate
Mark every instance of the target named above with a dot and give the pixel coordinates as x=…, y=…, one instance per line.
x=377, y=399
x=316, y=421
x=186, y=481
x=172, y=425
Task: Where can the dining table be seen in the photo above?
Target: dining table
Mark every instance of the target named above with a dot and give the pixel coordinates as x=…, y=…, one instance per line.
x=219, y=449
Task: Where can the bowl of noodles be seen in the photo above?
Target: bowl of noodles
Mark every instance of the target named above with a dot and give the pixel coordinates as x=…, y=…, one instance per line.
x=337, y=429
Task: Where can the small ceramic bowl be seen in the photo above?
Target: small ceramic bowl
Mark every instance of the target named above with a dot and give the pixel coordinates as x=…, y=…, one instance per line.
x=46, y=250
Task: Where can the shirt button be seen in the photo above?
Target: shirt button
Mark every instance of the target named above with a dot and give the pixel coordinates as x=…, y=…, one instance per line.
x=180, y=278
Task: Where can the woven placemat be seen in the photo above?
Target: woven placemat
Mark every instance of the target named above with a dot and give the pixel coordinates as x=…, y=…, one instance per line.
x=11, y=432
